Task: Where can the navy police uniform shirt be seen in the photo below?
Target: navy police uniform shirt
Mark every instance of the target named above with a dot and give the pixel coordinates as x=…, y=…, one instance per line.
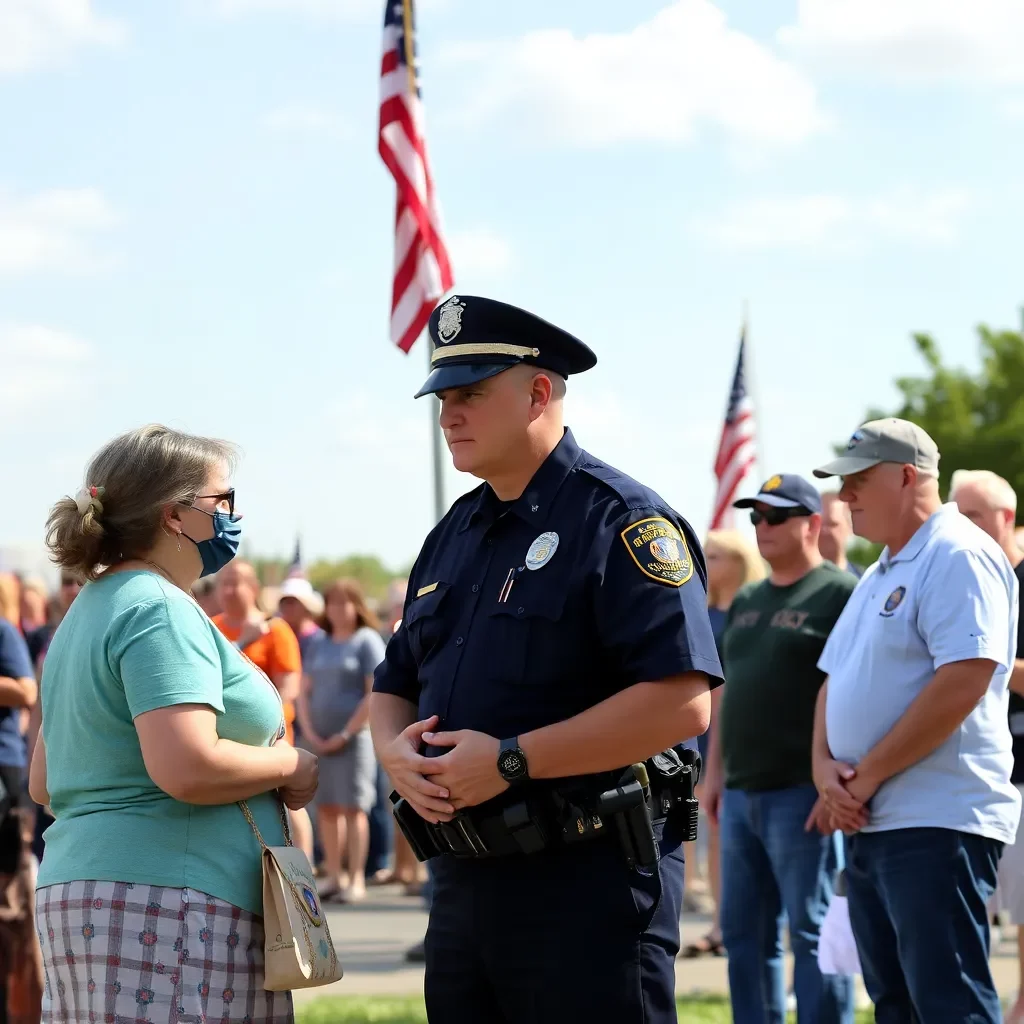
x=525, y=613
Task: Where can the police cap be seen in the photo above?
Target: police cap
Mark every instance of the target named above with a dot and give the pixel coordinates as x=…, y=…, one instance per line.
x=474, y=338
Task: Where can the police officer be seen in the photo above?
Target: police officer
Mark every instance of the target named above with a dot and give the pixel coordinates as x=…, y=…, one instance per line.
x=555, y=633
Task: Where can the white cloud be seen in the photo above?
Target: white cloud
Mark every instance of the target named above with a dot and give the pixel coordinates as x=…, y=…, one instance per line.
x=661, y=81
x=302, y=119
x=836, y=221
x=40, y=365
x=48, y=230
x=931, y=40
x=480, y=251
x=40, y=33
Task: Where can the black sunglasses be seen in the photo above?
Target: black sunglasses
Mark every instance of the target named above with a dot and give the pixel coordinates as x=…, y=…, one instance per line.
x=227, y=498
x=776, y=516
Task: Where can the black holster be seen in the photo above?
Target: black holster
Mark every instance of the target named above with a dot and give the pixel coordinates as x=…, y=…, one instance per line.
x=414, y=828
x=627, y=803
x=674, y=774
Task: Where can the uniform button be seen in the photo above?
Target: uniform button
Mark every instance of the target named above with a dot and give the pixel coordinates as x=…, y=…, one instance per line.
x=459, y=642
x=520, y=610
x=476, y=587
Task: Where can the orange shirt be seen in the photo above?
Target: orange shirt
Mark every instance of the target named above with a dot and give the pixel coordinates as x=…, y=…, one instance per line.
x=276, y=651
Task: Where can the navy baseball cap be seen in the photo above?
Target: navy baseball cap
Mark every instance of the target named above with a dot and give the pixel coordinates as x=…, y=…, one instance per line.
x=784, y=490
x=474, y=338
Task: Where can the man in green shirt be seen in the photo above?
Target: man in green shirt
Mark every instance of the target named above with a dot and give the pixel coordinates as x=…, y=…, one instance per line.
x=776, y=863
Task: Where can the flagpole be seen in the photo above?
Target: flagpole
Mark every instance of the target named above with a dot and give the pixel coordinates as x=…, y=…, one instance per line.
x=754, y=393
x=437, y=452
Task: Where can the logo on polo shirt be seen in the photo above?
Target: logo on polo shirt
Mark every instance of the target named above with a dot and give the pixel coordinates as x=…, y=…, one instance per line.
x=892, y=602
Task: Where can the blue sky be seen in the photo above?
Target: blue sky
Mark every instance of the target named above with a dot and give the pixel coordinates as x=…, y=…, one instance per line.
x=195, y=228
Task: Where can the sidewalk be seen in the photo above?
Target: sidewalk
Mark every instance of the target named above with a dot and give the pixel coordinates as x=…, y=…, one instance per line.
x=372, y=937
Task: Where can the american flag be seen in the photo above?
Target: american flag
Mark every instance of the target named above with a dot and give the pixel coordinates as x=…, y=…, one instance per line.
x=737, y=450
x=423, y=272
x=296, y=570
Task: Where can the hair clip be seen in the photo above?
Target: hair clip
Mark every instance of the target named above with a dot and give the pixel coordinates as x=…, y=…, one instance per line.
x=88, y=496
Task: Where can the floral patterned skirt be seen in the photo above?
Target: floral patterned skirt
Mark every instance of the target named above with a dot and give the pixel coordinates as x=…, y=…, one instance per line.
x=118, y=952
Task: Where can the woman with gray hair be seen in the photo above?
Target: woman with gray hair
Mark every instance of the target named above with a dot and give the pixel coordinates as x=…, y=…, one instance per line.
x=154, y=727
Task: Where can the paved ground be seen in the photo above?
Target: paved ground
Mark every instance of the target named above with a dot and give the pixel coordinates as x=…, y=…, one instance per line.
x=371, y=940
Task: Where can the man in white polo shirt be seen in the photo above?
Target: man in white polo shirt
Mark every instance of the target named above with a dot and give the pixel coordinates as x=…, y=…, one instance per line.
x=911, y=754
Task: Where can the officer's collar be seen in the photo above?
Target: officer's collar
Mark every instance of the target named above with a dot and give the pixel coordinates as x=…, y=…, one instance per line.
x=920, y=537
x=533, y=504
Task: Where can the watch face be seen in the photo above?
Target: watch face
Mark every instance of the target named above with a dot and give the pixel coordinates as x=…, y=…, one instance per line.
x=513, y=764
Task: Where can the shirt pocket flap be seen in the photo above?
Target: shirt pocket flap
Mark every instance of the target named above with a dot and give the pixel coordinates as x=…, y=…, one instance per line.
x=533, y=602
x=428, y=604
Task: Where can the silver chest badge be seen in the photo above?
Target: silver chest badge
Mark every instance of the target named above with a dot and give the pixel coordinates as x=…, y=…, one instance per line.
x=449, y=322
x=541, y=550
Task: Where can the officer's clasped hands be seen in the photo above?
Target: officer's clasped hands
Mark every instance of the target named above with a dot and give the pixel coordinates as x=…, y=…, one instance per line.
x=469, y=770
x=406, y=768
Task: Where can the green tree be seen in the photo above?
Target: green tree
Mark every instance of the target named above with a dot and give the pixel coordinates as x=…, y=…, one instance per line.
x=862, y=552
x=369, y=570
x=976, y=419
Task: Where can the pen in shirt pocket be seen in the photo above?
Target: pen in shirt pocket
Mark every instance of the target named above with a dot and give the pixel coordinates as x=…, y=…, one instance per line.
x=506, y=587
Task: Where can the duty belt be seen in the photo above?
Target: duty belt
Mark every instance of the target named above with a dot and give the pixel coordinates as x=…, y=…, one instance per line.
x=625, y=804
x=499, y=834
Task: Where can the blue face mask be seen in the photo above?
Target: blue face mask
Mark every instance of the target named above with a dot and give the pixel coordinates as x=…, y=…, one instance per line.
x=223, y=545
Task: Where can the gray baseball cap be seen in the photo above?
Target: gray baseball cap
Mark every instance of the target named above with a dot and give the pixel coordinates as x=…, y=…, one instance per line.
x=888, y=440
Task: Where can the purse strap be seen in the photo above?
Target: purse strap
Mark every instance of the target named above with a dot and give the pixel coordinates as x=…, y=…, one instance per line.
x=252, y=822
x=280, y=803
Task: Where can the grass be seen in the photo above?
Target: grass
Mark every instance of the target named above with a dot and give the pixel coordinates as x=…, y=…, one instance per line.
x=391, y=1010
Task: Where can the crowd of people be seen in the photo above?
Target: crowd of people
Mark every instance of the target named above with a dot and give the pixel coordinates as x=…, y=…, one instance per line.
x=318, y=650
x=819, y=731
x=779, y=788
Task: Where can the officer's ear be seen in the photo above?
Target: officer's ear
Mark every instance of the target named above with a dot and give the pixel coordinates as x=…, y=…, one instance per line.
x=542, y=392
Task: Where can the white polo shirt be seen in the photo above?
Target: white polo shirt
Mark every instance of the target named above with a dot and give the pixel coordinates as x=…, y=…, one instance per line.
x=949, y=595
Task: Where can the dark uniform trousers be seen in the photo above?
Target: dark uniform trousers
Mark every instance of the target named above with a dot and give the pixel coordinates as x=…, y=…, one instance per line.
x=567, y=934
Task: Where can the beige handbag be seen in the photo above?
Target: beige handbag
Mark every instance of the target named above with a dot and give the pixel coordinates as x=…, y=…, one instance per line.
x=298, y=949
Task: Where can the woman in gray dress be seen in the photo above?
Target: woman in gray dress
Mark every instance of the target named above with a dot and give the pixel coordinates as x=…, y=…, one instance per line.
x=338, y=667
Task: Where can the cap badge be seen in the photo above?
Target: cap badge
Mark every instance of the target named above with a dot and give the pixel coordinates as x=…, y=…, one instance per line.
x=449, y=322
x=855, y=439
x=773, y=483
x=541, y=550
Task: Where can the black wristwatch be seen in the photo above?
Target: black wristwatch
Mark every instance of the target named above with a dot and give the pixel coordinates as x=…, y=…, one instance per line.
x=512, y=762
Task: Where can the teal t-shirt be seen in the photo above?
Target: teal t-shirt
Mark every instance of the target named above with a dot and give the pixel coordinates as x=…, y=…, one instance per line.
x=131, y=643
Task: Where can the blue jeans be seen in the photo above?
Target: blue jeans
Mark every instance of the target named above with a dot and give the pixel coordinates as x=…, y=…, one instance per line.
x=381, y=828
x=772, y=870
x=918, y=909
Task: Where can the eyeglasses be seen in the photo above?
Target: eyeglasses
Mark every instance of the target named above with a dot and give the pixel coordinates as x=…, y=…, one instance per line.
x=225, y=502
x=776, y=516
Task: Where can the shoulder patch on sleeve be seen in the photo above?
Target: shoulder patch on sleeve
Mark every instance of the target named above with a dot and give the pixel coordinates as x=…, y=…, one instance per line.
x=659, y=550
